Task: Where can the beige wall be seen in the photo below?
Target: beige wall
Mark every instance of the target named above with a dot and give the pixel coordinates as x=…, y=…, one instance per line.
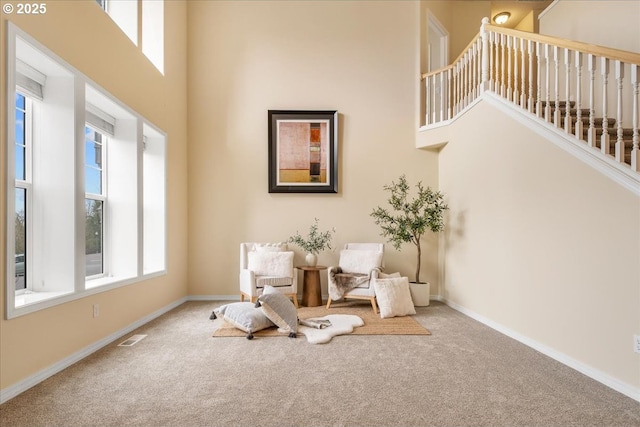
x=541, y=243
x=583, y=20
x=461, y=18
x=528, y=23
x=71, y=29
x=360, y=58
x=465, y=23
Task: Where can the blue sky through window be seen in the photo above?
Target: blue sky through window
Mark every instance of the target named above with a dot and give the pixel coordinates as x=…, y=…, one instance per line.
x=20, y=137
x=93, y=161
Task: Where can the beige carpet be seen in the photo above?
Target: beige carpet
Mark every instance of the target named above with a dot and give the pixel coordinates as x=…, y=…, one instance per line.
x=373, y=324
x=463, y=375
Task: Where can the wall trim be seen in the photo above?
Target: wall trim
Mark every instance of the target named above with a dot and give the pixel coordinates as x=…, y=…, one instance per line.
x=22, y=386
x=547, y=9
x=611, y=382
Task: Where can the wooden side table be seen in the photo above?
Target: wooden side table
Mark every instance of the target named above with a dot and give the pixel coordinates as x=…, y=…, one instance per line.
x=311, y=290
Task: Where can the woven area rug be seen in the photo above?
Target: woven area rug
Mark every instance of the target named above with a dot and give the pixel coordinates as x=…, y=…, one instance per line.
x=373, y=324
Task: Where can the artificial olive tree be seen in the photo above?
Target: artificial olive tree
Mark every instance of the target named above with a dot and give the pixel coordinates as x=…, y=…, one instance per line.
x=408, y=218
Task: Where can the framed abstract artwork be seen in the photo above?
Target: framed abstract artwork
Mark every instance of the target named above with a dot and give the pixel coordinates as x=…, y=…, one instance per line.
x=303, y=151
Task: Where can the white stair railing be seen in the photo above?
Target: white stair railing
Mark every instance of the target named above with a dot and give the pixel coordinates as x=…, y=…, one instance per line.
x=548, y=77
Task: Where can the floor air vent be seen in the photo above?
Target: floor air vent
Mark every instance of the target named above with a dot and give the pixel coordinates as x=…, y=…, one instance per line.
x=132, y=340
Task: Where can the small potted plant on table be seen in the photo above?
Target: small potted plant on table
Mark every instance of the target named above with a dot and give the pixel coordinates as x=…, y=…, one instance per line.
x=315, y=242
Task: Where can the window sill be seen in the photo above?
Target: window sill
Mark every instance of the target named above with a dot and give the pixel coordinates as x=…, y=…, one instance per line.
x=30, y=297
x=103, y=281
x=30, y=302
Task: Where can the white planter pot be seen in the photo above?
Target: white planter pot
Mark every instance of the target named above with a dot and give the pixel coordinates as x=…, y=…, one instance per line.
x=311, y=260
x=420, y=293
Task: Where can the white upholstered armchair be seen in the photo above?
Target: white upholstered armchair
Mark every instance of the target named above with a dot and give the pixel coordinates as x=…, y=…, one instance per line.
x=264, y=264
x=356, y=272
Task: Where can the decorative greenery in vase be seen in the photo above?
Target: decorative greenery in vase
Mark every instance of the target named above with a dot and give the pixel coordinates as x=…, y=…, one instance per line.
x=409, y=218
x=315, y=242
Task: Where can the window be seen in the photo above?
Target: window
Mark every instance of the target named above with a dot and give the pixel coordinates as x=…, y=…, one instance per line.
x=21, y=186
x=143, y=22
x=61, y=243
x=94, y=202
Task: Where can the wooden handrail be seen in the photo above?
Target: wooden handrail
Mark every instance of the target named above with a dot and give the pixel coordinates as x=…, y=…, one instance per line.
x=438, y=71
x=611, y=53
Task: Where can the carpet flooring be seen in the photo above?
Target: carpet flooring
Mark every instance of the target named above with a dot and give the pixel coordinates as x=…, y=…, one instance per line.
x=463, y=374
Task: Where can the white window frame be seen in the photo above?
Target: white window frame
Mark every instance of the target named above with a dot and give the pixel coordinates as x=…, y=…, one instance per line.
x=124, y=219
x=25, y=184
x=102, y=197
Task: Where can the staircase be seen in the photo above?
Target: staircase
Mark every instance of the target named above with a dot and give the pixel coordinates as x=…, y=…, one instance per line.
x=567, y=84
x=612, y=132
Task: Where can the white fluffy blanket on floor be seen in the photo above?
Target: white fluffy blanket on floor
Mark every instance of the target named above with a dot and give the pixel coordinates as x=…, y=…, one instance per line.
x=340, y=324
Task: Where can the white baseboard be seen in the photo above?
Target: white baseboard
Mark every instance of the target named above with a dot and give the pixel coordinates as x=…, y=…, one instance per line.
x=609, y=381
x=14, y=390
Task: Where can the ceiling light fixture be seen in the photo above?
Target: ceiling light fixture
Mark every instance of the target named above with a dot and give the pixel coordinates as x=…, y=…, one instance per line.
x=501, y=18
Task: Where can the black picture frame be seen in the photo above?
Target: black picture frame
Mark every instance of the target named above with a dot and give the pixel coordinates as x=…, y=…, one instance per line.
x=303, y=151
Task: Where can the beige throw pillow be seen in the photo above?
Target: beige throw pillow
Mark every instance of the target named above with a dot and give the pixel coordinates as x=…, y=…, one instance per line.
x=362, y=262
x=394, y=297
x=271, y=263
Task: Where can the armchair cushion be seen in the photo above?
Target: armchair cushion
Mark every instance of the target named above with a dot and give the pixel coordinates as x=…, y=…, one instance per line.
x=394, y=297
x=279, y=309
x=244, y=316
x=269, y=263
x=270, y=247
x=359, y=261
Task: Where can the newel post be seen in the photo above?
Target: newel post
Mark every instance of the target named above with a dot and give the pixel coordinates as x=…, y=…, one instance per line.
x=484, y=85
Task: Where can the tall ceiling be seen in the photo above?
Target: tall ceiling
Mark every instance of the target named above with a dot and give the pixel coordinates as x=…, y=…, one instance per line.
x=518, y=9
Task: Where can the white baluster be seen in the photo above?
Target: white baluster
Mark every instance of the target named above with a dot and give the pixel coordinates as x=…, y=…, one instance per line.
x=635, y=151
x=442, y=95
x=434, y=105
x=466, y=79
x=463, y=83
x=567, y=106
x=470, y=75
x=492, y=71
x=516, y=74
x=547, y=108
x=579, y=127
x=458, y=87
x=620, y=133
x=427, y=99
x=556, y=111
x=484, y=72
x=523, y=95
x=479, y=59
x=591, y=133
x=449, y=93
x=509, y=55
x=539, y=82
x=530, y=103
x=604, y=139
x=472, y=71
x=503, y=88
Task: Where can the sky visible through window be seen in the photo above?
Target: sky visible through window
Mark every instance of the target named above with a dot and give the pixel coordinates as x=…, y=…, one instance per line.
x=93, y=161
x=20, y=136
